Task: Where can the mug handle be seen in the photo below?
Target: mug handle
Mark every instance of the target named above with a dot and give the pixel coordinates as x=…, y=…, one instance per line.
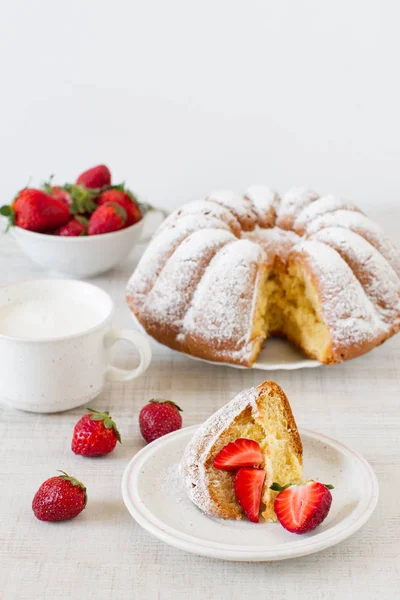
x=163, y=214
x=140, y=343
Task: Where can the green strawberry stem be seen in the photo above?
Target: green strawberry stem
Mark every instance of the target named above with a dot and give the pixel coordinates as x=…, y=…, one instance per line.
x=47, y=186
x=276, y=487
x=108, y=423
x=74, y=482
x=162, y=401
x=82, y=198
x=82, y=220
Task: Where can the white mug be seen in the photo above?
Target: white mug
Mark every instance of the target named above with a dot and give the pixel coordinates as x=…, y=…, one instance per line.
x=55, y=341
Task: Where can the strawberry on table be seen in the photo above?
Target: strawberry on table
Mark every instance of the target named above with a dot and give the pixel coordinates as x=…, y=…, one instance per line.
x=35, y=210
x=96, y=177
x=124, y=199
x=59, y=498
x=248, y=490
x=95, y=434
x=107, y=218
x=301, y=508
x=75, y=227
x=241, y=453
x=158, y=418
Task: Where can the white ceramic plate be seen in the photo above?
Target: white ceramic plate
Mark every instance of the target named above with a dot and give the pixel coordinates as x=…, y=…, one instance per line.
x=154, y=495
x=276, y=354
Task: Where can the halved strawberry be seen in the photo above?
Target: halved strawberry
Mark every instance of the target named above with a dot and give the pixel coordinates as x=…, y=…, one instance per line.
x=241, y=453
x=300, y=508
x=248, y=489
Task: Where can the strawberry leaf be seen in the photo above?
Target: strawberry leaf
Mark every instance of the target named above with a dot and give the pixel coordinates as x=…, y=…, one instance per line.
x=276, y=487
x=6, y=211
x=107, y=421
x=120, y=187
x=47, y=188
x=82, y=220
x=73, y=481
x=132, y=197
x=117, y=433
x=82, y=198
x=97, y=418
x=162, y=401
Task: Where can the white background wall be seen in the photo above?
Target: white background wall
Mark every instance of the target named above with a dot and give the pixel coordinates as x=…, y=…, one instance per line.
x=180, y=97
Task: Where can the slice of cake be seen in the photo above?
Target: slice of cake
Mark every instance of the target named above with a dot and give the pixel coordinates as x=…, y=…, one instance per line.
x=264, y=447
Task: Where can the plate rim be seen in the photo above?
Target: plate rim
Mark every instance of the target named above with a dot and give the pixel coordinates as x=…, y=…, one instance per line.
x=190, y=543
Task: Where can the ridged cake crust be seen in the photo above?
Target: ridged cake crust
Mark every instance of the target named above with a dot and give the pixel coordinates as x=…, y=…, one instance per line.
x=245, y=416
x=198, y=286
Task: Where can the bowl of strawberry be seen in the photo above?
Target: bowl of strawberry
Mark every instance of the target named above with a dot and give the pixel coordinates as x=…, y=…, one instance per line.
x=78, y=229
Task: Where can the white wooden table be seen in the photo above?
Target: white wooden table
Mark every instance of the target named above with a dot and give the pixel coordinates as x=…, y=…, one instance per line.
x=104, y=553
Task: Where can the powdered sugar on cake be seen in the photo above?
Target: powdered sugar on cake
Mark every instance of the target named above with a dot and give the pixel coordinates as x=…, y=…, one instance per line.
x=377, y=278
x=177, y=282
x=320, y=207
x=162, y=248
x=241, y=207
x=360, y=224
x=192, y=466
x=197, y=283
x=276, y=242
x=347, y=310
x=223, y=317
x=263, y=197
x=292, y=203
x=266, y=203
x=204, y=207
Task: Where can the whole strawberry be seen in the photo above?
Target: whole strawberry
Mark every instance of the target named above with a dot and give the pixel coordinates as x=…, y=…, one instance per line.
x=59, y=498
x=37, y=211
x=75, y=227
x=107, y=218
x=96, y=177
x=125, y=200
x=158, y=418
x=95, y=434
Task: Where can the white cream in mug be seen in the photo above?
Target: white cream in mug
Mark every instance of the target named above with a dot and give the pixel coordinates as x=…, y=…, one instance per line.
x=50, y=317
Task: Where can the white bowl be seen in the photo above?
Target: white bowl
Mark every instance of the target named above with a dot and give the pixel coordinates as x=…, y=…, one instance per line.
x=79, y=257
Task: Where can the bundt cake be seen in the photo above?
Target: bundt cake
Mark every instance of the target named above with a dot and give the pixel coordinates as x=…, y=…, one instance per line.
x=261, y=414
x=224, y=273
